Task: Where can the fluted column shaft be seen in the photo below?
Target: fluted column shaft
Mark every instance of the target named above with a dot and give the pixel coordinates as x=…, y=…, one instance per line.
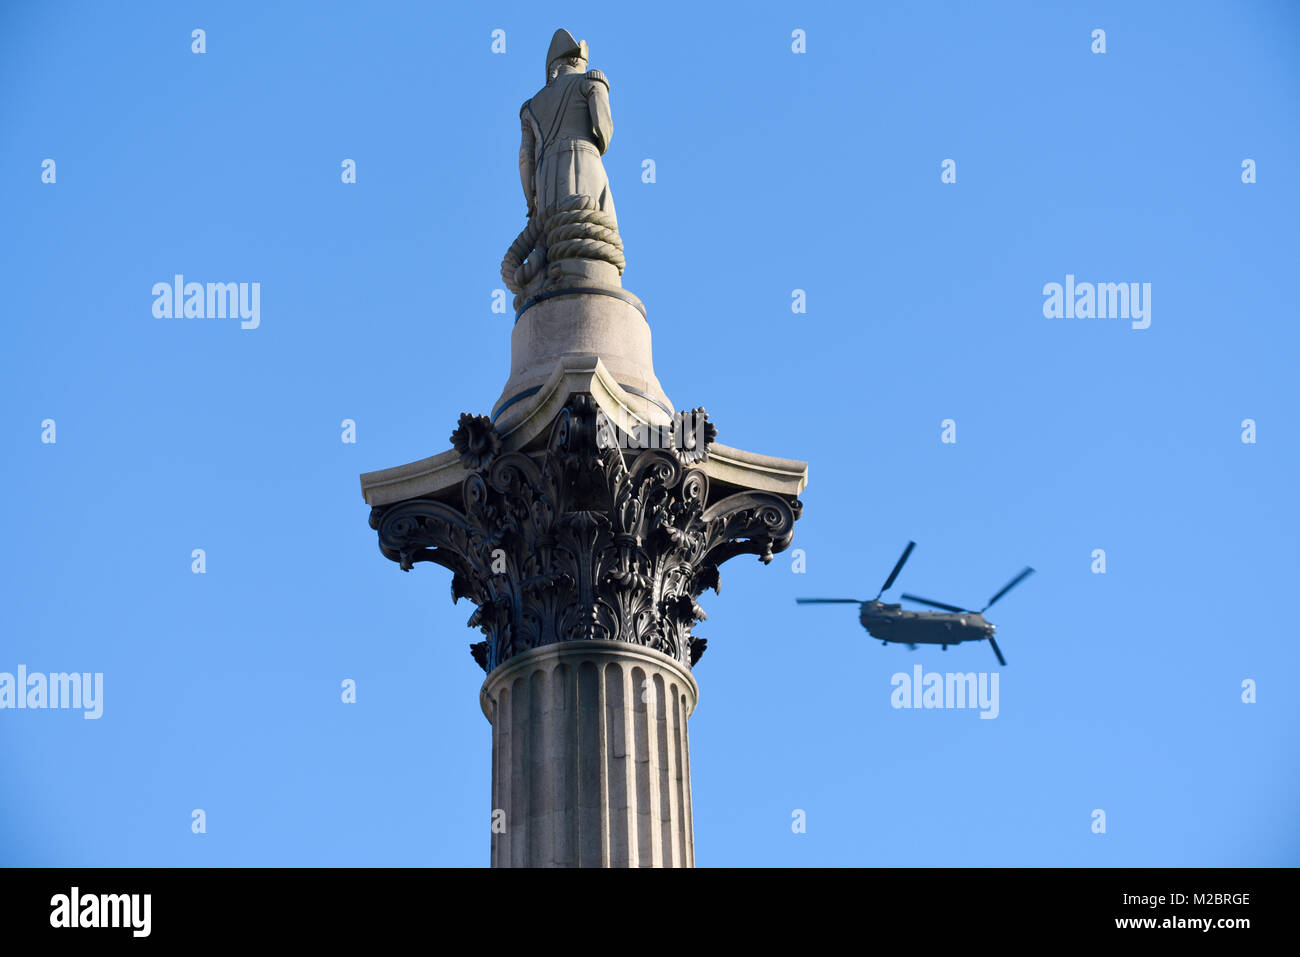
x=590, y=757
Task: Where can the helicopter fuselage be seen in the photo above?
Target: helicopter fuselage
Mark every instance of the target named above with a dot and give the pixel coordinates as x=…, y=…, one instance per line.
x=892, y=623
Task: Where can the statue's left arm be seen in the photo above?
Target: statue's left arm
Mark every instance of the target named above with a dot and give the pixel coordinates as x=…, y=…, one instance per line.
x=528, y=160
x=596, y=90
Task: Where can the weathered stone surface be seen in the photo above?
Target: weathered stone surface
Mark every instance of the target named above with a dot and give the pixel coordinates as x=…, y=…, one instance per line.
x=527, y=424
x=576, y=325
x=591, y=758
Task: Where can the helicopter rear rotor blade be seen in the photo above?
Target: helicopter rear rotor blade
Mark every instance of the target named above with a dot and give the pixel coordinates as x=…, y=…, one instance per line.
x=1008, y=586
x=828, y=601
x=933, y=604
x=897, y=568
x=997, y=651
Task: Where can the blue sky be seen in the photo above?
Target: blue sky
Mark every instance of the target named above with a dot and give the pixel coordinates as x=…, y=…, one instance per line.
x=775, y=171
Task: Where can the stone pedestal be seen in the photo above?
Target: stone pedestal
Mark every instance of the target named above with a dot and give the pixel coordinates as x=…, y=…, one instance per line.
x=590, y=757
x=566, y=326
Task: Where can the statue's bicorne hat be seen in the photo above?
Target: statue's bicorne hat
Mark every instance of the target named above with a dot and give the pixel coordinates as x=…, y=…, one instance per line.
x=562, y=45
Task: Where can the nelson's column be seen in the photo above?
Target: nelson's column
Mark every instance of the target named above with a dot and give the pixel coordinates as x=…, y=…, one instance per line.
x=583, y=518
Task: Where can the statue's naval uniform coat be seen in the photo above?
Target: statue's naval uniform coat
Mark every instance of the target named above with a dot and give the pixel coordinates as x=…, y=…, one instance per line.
x=566, y=128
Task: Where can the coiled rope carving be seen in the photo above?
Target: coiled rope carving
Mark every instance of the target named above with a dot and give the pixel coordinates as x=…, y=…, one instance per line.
x=575, y=229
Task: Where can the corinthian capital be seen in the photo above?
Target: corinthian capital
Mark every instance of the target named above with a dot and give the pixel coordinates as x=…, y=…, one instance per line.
x=584, y=538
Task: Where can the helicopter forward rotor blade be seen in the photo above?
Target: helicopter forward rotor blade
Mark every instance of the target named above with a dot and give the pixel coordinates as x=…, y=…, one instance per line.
x=1008, y=586
x=828, y=601
x=997, y=651
x=897, y=568
x=933, y=604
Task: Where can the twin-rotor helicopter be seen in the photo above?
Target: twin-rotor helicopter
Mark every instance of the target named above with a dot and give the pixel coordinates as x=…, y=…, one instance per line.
x=951, y=626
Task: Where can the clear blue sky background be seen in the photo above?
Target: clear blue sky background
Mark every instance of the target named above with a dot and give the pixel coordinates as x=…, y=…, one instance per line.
x=776, y=171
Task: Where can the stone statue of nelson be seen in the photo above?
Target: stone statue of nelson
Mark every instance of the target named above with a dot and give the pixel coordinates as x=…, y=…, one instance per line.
x=566, y=129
